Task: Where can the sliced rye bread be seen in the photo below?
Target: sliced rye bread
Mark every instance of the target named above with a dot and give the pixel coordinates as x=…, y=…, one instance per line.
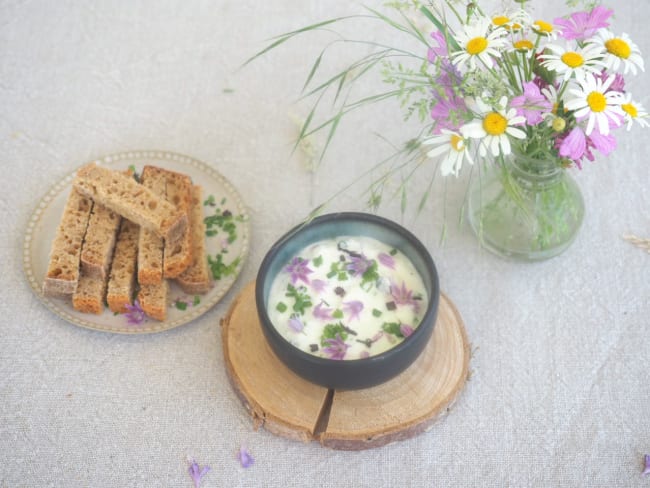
x=99, y=242
x=122, y=278
x=153, y=300
x=89, y=295
x=125, y=196
x=150, y=245
x=62, y=273
x=196, y=278
x=178, y=255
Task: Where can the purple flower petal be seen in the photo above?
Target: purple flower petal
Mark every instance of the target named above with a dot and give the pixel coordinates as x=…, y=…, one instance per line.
x=295, y=324
x=135, y=314
x=404, y=296
x=244, y=457
x=358, y=265
x=196, y=472
x=353, y=308
x=298, y=269
x=406, y=330
x=532, y=104
x=573, y=146
x=322, y=313
x=646, y=460
x=336, y=348
x=318, y=285
x=581, y=25
x=387, y=260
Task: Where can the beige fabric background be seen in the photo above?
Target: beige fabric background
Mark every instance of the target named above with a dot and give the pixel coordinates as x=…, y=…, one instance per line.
x=560, y=390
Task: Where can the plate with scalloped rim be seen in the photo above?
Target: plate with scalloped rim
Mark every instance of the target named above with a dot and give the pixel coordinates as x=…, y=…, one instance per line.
x=227, y=241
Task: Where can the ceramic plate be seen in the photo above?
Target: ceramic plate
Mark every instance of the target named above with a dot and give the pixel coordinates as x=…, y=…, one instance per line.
x=227, y=243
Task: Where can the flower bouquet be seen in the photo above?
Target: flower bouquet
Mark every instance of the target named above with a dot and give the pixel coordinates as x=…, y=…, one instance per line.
x=516, y=99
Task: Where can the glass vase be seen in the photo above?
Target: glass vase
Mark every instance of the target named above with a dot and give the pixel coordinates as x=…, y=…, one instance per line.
x=526, y=209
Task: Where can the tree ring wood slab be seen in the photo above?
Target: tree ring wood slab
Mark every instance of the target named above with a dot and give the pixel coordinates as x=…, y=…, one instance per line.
x=287, y=405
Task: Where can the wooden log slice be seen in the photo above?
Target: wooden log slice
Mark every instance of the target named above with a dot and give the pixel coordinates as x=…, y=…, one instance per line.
x=287, y=405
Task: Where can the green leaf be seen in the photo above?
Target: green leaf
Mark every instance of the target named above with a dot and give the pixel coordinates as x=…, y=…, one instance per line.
x=197, y=300
x=450, y=40
x=313, y=69
x=318, y=261
x=281, y=307
x=392, y=328
x=330, y=331
x=180, y=305
x=285, y=37
x=337, y=314
x=376, y=313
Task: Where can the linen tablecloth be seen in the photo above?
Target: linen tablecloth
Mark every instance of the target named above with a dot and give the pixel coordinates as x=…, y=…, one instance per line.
x=559, y=393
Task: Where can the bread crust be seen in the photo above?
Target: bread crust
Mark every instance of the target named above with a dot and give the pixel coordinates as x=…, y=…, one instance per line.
x=62, y=273
x=131, y=200
x=196, y=278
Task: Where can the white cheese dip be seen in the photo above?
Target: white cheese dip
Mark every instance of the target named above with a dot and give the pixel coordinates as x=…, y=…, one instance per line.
x=347, y=298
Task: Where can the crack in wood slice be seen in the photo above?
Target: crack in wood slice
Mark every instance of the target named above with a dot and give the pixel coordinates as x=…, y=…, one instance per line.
x=287, y=405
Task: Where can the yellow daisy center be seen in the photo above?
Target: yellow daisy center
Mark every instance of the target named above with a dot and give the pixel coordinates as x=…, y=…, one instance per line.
x=618, y=47
x=630, y=109
x=596, y=101
x=477, y=45
x=513, y=27
x=542, y=26
x=456, y=143
x=500, y=20
x=524, y=45
x=495, y=124
x=572, y=59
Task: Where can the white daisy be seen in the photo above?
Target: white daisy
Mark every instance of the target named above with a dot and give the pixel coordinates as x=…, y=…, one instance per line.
x=545, y=29
x=494, y=128
x=593, y=100
x=477, y=42
x=513, y=21
x=634, y=112
x=454, y=146
x=619, y=50
x=576, y=62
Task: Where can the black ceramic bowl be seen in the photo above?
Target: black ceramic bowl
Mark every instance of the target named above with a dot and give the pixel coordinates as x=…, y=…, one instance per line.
x=355, y=373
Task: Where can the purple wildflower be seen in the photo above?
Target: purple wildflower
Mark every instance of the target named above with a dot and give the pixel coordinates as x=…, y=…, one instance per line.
x=135, y=314
x=244, y=457
x=604, y=144
x=318, y=285
x=358, y=265
x=406, y=330
x=441, y=50
x=298, y=270
x=322, y=313
x=295, y=324
x=404, y=296
x=387, y=260
x=573, y=145
x=336, y=348
x=353, y=308
x=447, y=111
x=581, y=25
x=618, y=85
x=531, y=104
x=646, y=461
x=196, y=472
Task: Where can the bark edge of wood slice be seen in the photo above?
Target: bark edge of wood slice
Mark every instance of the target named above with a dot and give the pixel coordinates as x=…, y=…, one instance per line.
x=287, y=405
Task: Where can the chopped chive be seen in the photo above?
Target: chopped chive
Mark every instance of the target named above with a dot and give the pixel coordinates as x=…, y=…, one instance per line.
x=376, y=313
x=337, y=314
x=318, y=261
x=281, y=307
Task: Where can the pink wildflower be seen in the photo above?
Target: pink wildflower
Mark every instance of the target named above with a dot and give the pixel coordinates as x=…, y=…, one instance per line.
x=573, y=145
x=322, y=313
x=386, y=260
x=353, y=308
x=441, y=50
x=581, y=25
x=532, y=104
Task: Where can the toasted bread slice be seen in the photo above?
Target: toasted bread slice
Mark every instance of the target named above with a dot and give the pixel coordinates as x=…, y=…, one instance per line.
x=97, y=250
x=150, y=245
x=153, y=300
x=121, y=283
x=128, y=198
x=196, y=278
x=62, y=273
